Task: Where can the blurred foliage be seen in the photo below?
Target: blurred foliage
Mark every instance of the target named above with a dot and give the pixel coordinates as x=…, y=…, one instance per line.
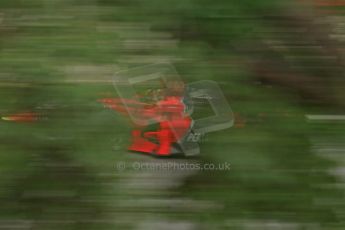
x=274, y=62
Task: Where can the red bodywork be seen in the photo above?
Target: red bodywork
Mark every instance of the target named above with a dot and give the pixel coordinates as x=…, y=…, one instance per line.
x=174, y=124
x=22, y=117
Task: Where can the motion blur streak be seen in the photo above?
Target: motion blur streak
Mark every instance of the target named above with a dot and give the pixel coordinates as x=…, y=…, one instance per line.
x=280, y=65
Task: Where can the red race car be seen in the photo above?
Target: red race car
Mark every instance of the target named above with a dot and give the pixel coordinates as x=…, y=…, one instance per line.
x=169, y=112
